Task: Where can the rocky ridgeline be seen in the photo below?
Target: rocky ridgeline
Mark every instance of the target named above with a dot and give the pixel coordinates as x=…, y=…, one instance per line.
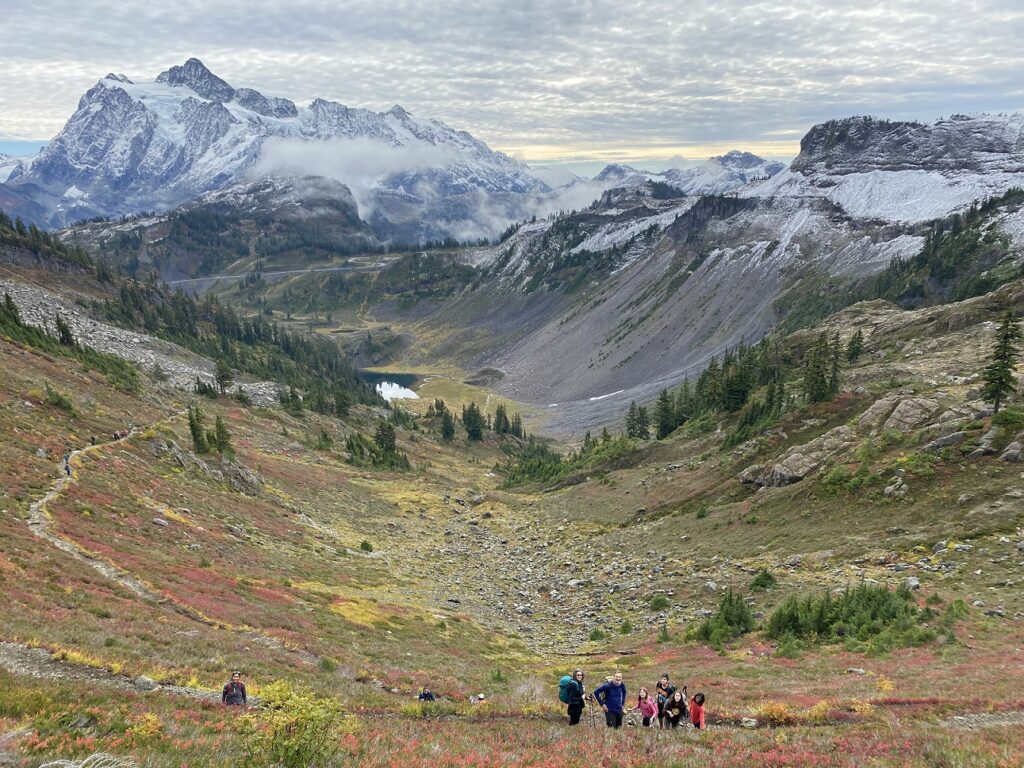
x=179, y=367
x=903, y=413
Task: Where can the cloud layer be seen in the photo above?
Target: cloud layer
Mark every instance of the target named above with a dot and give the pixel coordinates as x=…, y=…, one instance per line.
x=545, y=81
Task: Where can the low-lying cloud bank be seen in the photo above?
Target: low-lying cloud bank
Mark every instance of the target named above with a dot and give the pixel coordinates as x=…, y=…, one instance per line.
x=422, y=207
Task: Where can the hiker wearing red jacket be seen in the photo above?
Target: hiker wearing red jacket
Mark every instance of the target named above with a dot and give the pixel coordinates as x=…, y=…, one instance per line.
x=697, y=711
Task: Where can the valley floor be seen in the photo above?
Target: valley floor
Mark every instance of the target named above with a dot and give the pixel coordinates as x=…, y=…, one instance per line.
x=135, y=584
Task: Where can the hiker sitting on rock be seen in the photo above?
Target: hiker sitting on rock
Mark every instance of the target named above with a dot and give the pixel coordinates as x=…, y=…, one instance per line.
x=612, y=698
x=426, y=695
x=234, y=691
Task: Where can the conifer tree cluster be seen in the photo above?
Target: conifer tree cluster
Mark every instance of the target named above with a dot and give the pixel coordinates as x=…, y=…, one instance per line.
x=204, y=440
x=750, y=380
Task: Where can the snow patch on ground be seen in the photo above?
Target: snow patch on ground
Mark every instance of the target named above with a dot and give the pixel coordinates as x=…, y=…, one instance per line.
x=614, y=234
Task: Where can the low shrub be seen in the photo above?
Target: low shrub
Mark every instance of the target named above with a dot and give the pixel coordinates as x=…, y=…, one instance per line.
x=1010, y=417
x=659, y=603
x=763, y=581
x=294, y=729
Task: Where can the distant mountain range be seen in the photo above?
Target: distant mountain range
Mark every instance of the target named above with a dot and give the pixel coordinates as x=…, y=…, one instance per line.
x=143, y=146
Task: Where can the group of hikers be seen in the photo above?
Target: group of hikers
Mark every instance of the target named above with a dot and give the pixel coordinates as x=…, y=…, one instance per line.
x=668, y=706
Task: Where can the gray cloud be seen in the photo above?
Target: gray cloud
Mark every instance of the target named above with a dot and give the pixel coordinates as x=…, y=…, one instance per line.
x=584, y=79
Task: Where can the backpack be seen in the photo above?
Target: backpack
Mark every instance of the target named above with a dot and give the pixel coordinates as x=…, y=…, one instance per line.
x=563, y=689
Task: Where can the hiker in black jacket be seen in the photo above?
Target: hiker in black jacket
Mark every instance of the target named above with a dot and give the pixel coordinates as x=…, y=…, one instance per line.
x=576, y=697
x=234, y=692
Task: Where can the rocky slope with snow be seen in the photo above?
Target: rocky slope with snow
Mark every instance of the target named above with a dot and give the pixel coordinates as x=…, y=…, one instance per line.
x=586, y=312
x=138, y=146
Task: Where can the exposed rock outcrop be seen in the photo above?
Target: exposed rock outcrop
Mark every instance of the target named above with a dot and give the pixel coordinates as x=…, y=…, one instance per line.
x=800, y=461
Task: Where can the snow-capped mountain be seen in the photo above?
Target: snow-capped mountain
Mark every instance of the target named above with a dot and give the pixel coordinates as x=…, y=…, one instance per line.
x=716, y=176
x=134, y=146
x=903, y=171
x=12, y=167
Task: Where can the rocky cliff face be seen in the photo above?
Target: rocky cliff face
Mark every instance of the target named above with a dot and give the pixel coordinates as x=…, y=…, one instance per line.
x=905, y=172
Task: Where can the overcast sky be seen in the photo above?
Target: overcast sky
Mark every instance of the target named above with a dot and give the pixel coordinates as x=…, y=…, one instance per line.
x=566, y=81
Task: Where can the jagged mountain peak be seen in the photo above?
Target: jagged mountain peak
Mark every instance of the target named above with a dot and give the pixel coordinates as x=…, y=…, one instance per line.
x=195, y=75
x=616, y=171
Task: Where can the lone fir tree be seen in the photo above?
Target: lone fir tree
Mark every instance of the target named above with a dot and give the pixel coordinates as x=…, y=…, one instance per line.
x=999, y=373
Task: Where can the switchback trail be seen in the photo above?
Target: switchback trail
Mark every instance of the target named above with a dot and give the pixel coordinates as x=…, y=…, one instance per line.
x=40, y=523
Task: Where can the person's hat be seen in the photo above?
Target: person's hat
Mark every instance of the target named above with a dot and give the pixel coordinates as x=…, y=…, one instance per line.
x=481, y=697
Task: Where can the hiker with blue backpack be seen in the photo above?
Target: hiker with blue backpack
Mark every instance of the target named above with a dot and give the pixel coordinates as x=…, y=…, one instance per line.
x=571, y=691
x=612, y=698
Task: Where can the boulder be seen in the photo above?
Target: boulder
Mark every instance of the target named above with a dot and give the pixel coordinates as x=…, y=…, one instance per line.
x=939, y=443
x=912, y=582
x=1013, y=453
x=800, y=461
x=909, y=414
x=877, y=413
x=144, y=683
x=748, y=722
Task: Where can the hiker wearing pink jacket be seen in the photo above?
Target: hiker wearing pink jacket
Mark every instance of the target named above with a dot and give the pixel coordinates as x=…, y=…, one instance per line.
x=648, y=707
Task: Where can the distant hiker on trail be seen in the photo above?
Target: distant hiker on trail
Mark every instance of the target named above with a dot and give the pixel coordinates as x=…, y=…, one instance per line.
x=663, y=693
x=612, y=698
x=92, y=440
x=573, y=693
x=426, y=695
x=674, y=711
x=648, y=707
x=234, y=691
x=697, y=710
x=67, y=463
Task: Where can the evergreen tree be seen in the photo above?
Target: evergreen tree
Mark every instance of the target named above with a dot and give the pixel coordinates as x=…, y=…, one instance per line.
x=195, y=426
x=473, y=421
x=605, y=436
x=221, y=435
x=517, y=426
x=999, y=373
x=816, y=380
x=664, y=415
x=631, y=420
x=836, y=352
x=501, y=423
x=643, y=424
x=385, y=437
x=64, y=334
x=855, y=347
x=224, y=376
x=10, y=309
x=447, y=426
